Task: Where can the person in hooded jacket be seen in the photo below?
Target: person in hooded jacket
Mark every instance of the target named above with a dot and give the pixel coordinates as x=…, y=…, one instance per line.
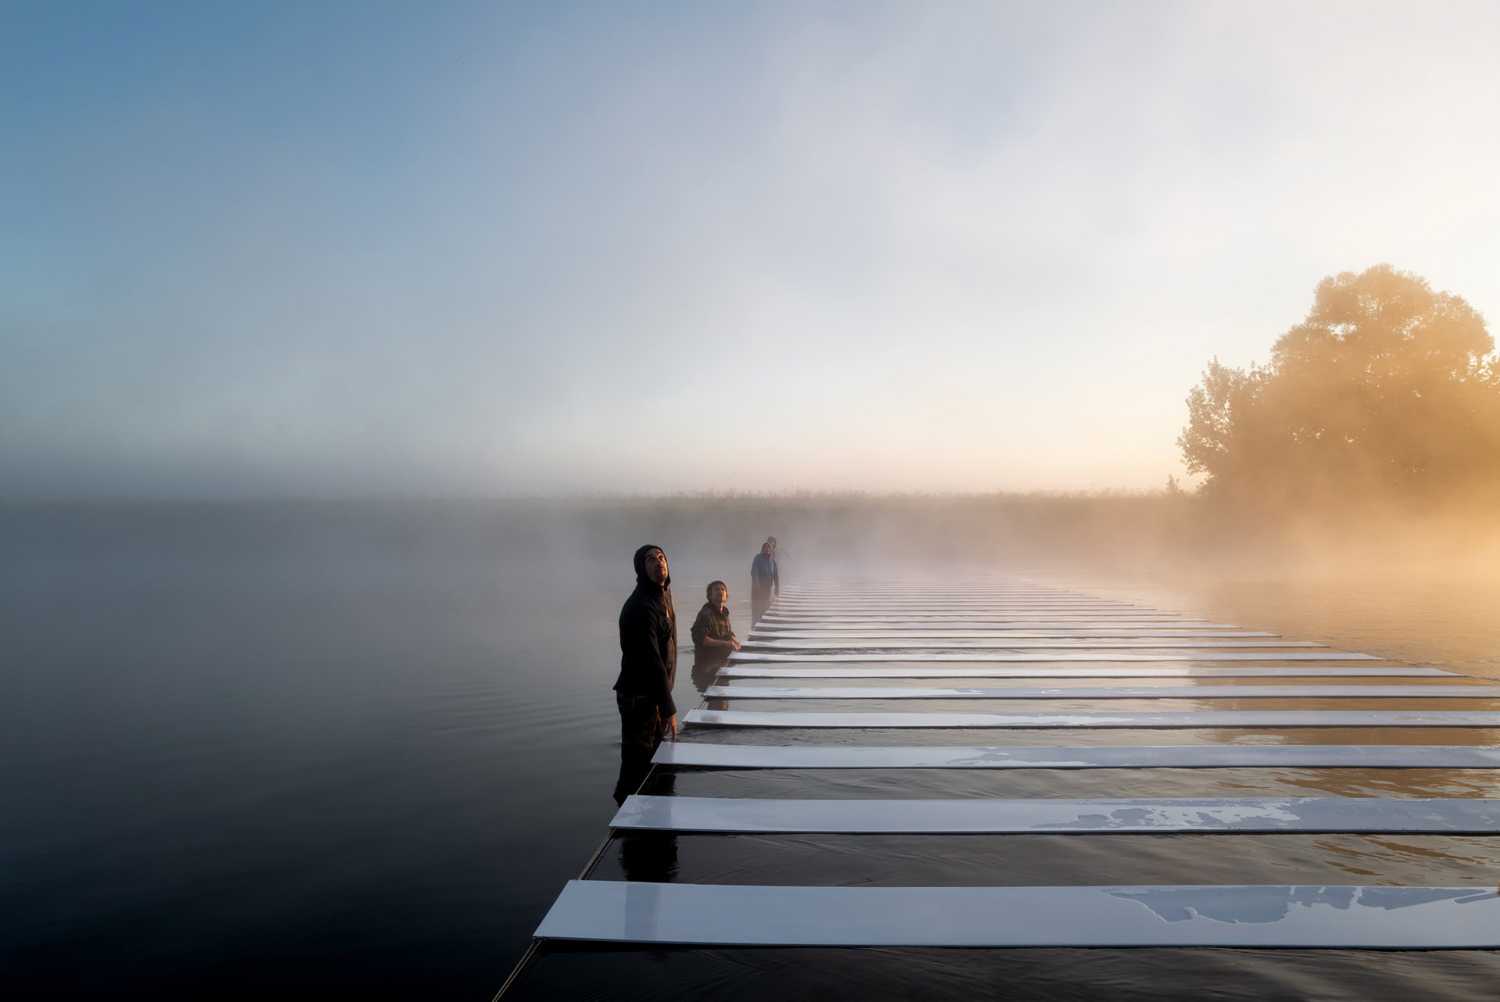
x=648, y=668
x=765, y=579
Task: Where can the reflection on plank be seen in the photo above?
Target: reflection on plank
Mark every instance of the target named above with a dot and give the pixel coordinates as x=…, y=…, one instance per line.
x=1053, y=671
x=746, y=657
x=1207, y=756
x=1025, y=645
x=1334, y=917
x=1120, y=692
x=1175, y=719
x=1044, y=816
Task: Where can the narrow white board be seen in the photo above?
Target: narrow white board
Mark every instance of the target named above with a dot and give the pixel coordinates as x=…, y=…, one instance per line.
x=1214, y=756
x=1027, y=645
x=1056, y=816
x=990, y=610
x=1140, y=719
x=899, y=608
x=1130, y=632
x=1042, y=671
x=1260, y=916
x=979, y=608
x=747, y=657
x=835, y=595
x=1458, y=691
x=984, y=623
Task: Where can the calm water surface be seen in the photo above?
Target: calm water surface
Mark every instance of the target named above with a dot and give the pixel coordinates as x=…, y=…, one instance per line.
x=357, y=751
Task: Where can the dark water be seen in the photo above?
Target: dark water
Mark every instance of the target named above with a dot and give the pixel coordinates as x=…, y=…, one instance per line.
x=251, y=751
x=357, y=751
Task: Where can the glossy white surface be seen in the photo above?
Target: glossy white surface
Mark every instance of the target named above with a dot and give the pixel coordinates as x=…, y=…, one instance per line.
x=1214, y=756
x=776, y=633
x=747, y=657
x=955, y=601
x=986, y=623
x=1119, y=692
x=1108, y=619
x=1347, y=917
x=1324, y=815
x=1027, y=645
x=1185, y=718
x=1043, y=671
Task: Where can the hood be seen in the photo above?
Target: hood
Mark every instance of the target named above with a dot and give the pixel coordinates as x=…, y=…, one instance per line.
x=640, y=567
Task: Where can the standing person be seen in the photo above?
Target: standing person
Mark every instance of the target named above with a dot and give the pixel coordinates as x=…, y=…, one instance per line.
x=765, y=580
x=713, y=636
x=648, y=667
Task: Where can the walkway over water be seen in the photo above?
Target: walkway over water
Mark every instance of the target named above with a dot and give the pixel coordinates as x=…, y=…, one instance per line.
x=874, y=770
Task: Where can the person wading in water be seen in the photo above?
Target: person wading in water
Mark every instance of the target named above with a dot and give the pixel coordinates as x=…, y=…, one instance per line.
x=764, y=579
x=648, y=667
x=713, y=636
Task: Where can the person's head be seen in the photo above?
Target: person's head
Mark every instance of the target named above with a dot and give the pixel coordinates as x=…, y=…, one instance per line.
x=767, y=548
x=718, y=594
x=771, y=542
x=651, y=564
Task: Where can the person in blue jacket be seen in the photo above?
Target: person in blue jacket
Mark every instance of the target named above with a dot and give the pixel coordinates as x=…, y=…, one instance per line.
x=765, y=580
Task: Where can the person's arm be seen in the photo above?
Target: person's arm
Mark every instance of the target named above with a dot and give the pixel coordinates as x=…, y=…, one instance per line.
x=639, y=640
x=776, y=574
x=700, y=629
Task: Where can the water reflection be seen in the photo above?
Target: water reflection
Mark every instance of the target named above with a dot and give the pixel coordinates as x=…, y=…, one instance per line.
x=647, y=855
x=706, y=668
x=1239, y=905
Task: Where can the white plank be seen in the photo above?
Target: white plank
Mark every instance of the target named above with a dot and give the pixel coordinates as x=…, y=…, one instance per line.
x=747, y=657
x=1129, y=632
x=1118, y=671
x=1164, y=719
x=1335, y=917
x=1212, y=756
x=1057, y=816
x=851, y=625
x=1458, y=691
x=1026, y=645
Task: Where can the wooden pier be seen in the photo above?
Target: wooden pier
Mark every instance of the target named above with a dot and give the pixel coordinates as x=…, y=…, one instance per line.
x=987, y=675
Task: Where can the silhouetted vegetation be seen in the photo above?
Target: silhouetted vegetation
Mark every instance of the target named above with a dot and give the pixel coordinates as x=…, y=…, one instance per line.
x=1387, y=394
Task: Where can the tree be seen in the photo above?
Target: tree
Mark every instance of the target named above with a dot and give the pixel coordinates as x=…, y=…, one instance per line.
x=1386, y=387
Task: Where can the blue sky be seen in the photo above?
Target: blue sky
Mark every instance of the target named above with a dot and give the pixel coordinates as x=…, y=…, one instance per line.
x=472, y=249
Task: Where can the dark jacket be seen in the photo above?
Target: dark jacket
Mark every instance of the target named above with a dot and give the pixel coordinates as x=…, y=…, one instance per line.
x=648, y=641
x=764, y=573
x=711, y=623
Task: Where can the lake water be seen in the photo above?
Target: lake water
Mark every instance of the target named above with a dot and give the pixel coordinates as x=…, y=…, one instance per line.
x=357, y=750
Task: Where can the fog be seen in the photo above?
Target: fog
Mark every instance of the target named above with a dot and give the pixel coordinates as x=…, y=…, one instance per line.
x=493, y=251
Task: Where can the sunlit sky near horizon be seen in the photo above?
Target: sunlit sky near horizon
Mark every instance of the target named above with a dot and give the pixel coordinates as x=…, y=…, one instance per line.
x=472, y=249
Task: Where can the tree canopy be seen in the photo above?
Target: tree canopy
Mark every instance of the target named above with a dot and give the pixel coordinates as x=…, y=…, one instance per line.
x=1386, y=388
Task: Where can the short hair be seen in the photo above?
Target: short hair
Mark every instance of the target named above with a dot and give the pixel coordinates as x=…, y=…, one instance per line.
x=709, y=591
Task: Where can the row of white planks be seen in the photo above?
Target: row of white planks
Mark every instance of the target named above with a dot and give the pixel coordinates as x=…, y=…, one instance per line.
x=1014, y=634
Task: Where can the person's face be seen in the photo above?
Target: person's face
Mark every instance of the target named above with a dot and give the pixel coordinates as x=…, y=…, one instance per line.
x=719, y=596
x=765, y=548
x=656, y=566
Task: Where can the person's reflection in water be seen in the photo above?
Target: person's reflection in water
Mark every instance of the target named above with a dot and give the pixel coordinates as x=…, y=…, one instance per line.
x=649, y=855
x=713, y=636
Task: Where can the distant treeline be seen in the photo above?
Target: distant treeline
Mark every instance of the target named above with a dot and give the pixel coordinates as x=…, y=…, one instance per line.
x=1385, y=398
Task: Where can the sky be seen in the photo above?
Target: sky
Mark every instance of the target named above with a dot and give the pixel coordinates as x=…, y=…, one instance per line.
x=451, y=249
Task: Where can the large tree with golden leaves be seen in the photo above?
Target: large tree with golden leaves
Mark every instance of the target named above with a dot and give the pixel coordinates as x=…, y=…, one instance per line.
x=1386, y=389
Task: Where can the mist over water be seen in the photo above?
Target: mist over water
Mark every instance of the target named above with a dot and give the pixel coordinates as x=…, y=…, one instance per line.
x=358, y=748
